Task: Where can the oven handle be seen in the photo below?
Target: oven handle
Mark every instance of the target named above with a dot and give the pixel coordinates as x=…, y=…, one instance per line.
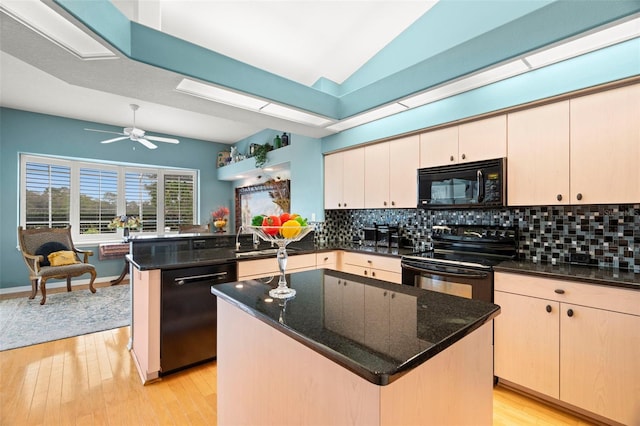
x=480, y=275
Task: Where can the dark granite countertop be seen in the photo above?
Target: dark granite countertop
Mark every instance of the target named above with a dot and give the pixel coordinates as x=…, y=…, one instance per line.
x=421, y=323
x=585, y=274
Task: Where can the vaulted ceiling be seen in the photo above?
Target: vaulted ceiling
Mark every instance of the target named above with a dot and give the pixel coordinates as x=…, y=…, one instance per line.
x=331, y=59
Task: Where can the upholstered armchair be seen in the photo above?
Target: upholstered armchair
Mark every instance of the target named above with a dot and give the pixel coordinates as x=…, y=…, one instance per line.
x=50, y=253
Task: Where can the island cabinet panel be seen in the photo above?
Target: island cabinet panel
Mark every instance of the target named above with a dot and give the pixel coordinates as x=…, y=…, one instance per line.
x=344, y=180
x=582, y=337
x=145, y=347
x=605, y=147
x=289, y=383
x=538, y=156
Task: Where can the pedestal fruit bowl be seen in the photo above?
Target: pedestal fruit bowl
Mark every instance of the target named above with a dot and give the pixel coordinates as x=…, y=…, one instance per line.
x=281, y=236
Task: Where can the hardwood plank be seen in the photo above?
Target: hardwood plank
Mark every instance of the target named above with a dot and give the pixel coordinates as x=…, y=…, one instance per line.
x=92, y=380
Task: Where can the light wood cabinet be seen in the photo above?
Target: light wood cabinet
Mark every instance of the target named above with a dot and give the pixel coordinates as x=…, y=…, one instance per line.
x=344, y=307
x=327, y=260
x=259, y=268
x=344, y=180
x=391, y=173
x=475, y=141
x=380, y=267
x=581, y=340
x=538, y=156
x=605, y=147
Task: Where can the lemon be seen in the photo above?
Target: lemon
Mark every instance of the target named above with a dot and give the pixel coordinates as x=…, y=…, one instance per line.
x=290, y=229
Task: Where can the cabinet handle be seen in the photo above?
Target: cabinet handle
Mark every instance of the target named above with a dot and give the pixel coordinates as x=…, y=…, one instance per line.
x=549, y=308
x=365, y=272
x=559, y=197
x=384, y=203
x=451, y=158
x=373, y=273
x=393, y=295
x=345, y=204
x=579, y=196
x=559, y=291
x=384, y=294
x=464, y=156
x=393, y=203
x=326, y=258
x=570, y=312
x=339, y=205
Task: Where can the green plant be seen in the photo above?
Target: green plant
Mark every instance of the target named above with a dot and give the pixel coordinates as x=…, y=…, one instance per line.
x=260, y=154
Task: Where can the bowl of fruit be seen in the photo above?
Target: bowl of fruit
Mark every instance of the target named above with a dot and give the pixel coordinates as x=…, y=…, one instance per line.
x=280, y=230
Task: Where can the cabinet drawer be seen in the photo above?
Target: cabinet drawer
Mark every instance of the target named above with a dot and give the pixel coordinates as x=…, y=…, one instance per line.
x=392, y=277
x=597, y=296
x=269, y=266
x=391, y=264
x=326, y=259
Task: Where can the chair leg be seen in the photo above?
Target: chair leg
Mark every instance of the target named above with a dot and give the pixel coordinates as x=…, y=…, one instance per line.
x=68, y=283
x=93, y=277
x=34, y=288
x=43, y=290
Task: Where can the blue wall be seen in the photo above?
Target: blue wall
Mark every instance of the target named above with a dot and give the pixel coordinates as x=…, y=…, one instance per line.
x=26, y=132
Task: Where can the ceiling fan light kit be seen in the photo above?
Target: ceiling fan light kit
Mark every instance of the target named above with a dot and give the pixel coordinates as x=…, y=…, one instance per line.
x=135, y=134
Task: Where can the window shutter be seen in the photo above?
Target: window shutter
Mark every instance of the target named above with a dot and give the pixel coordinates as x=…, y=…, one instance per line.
x=98, y=200
x=48, y=188
x=178, y=200
x=141, y=192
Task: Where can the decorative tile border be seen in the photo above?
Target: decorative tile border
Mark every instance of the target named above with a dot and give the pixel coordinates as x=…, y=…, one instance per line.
x=609, y=233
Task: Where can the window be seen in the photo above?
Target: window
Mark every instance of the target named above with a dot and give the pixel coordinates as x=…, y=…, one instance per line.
x=59, y=192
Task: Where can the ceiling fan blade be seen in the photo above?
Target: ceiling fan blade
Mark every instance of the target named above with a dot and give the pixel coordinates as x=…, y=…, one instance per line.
x=105, y=131
x=161, y=139
x=115, y=139
x=146, y=143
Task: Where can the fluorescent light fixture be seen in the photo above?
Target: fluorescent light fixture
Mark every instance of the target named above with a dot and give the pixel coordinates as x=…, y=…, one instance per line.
x=45, y=21
x=465, y=84
x=295, y=115
x=369, y=116
x=218, y=94
x=594, y=41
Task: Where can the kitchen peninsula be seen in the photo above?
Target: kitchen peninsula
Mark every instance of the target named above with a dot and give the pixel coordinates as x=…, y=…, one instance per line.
x=352, y=350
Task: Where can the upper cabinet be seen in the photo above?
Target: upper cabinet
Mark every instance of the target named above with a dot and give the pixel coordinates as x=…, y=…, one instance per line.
x=475, y=141
x=538, y=156
x=581, y=151
x=605, y=147
x=391, y=173
x=344, y=180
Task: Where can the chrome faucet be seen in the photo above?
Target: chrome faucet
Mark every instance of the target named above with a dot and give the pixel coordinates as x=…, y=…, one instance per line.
x=256, y=239
x=238, y=236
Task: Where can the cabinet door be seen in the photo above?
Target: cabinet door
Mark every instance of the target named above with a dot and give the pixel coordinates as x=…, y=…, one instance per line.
x=403, y=317
x=605, y=147
x=439, y=147
x=538, y=156
x=404, y=160
x=599, y=356
x=526, y=342
x=376, y=318
x=353, y=179
x=483, y=139
x=333, y=178
x=376, y=176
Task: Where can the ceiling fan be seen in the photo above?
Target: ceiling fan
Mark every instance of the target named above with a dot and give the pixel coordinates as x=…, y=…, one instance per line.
x=135, y=134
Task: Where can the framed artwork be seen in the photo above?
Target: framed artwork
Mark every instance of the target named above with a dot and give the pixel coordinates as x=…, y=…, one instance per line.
x=269, y=198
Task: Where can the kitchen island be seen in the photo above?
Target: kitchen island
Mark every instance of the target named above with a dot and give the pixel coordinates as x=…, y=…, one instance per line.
x=352, y=350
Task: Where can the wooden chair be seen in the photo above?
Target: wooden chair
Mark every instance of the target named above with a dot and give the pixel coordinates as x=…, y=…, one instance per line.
x=37, y=243
x=187, y=229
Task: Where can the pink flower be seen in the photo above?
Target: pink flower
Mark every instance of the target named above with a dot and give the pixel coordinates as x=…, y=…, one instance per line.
x=220, y=214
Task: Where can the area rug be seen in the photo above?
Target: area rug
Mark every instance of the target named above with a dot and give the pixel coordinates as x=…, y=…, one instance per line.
x=25, y=322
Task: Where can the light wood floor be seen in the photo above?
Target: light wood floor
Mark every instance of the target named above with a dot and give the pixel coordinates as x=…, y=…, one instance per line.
x=91, y=379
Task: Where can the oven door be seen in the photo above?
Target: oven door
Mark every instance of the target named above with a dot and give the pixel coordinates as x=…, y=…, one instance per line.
x=460, y=281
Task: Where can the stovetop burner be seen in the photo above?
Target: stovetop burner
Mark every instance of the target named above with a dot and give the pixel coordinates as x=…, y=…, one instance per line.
x=470, y=245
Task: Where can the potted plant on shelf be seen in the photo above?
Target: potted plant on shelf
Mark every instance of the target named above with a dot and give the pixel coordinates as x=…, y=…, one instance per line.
x=219, y=218
x=260, y=154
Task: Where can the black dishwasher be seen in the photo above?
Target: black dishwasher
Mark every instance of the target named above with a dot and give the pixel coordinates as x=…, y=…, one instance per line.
x=188, y=315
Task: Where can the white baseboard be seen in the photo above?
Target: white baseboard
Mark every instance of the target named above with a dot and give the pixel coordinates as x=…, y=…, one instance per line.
x=55, y=284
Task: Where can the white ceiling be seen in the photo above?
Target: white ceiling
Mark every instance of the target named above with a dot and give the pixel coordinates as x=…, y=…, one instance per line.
x=298, y=40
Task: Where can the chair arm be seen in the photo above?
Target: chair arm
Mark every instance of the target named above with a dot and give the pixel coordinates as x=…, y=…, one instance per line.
x=86, y=254
x=33, y=261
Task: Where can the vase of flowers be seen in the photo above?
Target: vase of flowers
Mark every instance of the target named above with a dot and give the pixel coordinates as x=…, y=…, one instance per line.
x=125, y=223
x=219, y=218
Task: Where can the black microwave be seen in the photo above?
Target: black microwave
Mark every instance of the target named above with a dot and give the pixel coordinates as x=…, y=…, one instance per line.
x=478, y=184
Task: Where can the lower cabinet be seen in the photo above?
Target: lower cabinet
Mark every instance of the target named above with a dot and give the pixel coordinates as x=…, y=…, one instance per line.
x=344, y=307
x=574, y=342
x=380, y=267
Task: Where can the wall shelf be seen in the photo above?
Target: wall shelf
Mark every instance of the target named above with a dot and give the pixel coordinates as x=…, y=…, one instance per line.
x=278, y=158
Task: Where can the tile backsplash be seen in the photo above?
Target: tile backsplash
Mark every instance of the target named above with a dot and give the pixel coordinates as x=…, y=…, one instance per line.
x=608, y=233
